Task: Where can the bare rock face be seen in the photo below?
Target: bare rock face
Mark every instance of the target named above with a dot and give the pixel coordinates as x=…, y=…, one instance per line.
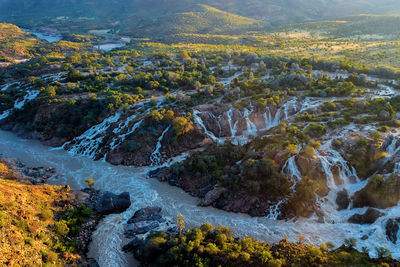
x=146, y=214
x=79, y=197
x=212, y=196
x=343, y=200
x=392, y=229
x=312, y=168
x=369, y=217
x=379, y=193
x=108, y=203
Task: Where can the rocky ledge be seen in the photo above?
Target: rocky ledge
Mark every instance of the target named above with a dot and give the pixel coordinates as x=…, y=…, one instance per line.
x=140, y=225
x=102, y=204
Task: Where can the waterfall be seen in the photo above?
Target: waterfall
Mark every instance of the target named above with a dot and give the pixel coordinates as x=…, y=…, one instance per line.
x=232, y=127
x=20, y=103
x=156, y=157
x=198, y=120
x=274, y=211
x=5, y=87
x=251, y=127
x=217, y=119
x=89, y=142
x=308, y=104
x=121, y=138
x=290, y=168
x=291, y=103
x=392, y=149
x=345, y=172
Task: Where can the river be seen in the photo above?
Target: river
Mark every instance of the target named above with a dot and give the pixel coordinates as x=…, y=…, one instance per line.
x=108, y=238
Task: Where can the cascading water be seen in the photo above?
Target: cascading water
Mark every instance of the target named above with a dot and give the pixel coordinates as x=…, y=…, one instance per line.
x=106, y=247
x=251, y=127
x=89, y=143
x=20, y=103
x=199, y=121
x=290, y=104
x=217, y=119
x=289, y=168
x=5, y=87
x=156, y=157
x=121, y=137
x=232, y=126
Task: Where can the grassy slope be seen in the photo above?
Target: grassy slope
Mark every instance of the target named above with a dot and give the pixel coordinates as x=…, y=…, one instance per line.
x=15, y=43
x=274, y=11
x=376, y=26
x=27, y=227
x=199, y=19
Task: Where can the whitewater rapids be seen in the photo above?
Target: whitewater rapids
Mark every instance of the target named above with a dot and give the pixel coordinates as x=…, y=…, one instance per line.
x=108, y=238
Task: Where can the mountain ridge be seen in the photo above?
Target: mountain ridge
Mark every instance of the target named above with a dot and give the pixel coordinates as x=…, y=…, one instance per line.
x=125, y=16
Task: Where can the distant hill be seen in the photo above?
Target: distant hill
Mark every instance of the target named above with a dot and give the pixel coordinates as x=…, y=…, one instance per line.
x=202, y=19
x=155, y=17
x=15, y=44
x=363, y=26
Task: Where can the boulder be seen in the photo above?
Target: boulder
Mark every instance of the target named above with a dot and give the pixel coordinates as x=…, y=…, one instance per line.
x=79, y=197
x=161, y=174
x=369, y=217
x=146, y=214
x=108, y=203
x=379, y=193
x=212, y=196
x=384, y=115
x=392, y=229
x=140, y=228
x=343, y=200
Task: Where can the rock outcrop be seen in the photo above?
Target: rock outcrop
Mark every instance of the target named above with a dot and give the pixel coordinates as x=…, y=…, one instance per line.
x=369, y=217
x=108, y=203
x=141, y=223
x=343, y=200
x=392, y=229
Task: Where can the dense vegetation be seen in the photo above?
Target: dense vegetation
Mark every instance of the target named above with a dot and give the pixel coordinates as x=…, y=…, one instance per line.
x=215, y=80
x=37, y=223
x=86, y=15
x=209, y=246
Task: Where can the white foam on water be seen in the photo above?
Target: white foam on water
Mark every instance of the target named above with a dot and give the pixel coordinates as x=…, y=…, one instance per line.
x=20, y=103
x=156, y=157
x=199, y=121
x=89, y=143
x=251, y=127
x=106, y=247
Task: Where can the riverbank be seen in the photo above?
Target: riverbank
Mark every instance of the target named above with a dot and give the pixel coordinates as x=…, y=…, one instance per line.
x=108, y=237
x=79, y=211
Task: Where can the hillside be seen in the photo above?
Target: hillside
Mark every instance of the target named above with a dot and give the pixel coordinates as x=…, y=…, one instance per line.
x=363, y=26
x=29, y=231
x=202, y=19
x=15, y=44
x=141, y=17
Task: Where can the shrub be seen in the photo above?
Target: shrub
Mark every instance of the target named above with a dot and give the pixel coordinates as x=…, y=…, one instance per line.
x=308, y=151
x=3, y=169
x=46, y=214
x=61, y=228
x=182, y=125
x=315, y=130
